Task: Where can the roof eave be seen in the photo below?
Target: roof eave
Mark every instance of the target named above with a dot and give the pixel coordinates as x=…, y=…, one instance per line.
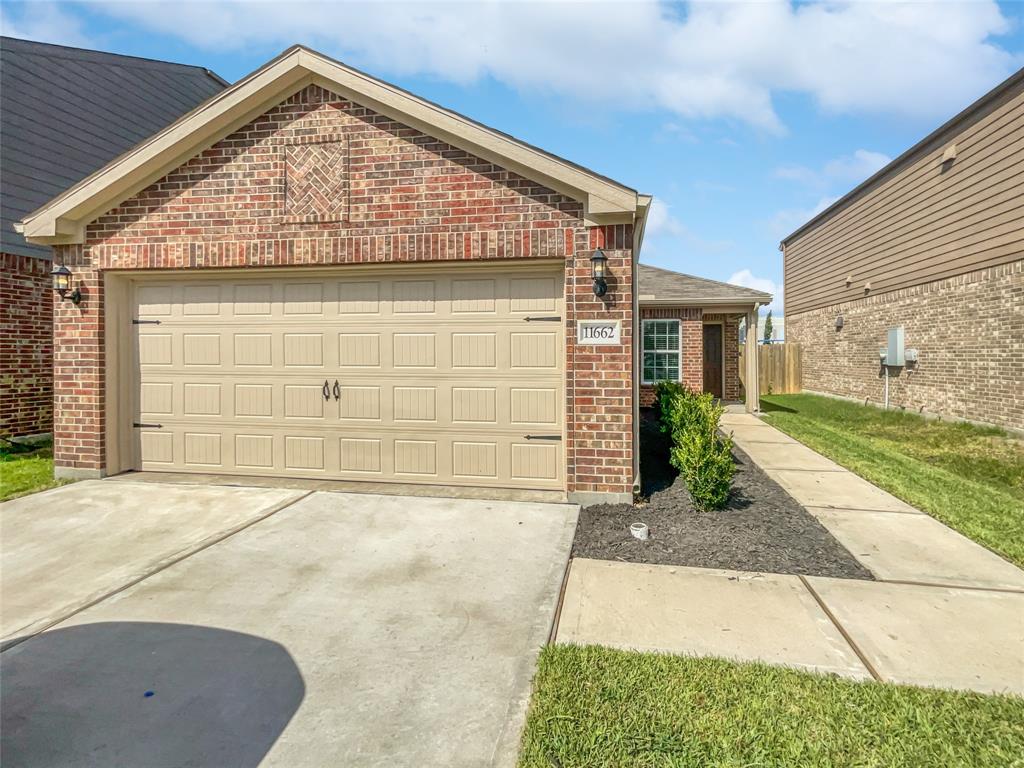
x=649, y=300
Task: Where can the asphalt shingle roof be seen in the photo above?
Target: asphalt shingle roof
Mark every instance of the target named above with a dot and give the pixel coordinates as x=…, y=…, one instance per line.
x=66, y=112
x=659, y=284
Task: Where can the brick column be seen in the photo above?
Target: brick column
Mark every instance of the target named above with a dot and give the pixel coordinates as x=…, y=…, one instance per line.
x=78, y=372
x=600, y=378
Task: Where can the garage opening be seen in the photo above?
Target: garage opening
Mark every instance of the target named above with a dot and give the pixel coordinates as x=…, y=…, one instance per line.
x=406, y=374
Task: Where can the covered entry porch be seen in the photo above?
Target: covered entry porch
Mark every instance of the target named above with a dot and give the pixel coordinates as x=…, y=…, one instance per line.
x=690, y=334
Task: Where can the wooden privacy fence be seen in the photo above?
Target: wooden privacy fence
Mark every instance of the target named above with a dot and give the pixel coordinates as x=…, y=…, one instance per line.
x=780, y=367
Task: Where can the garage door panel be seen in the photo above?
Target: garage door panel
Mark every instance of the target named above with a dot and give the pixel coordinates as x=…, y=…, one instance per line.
x=418, y=456
x=440, y=377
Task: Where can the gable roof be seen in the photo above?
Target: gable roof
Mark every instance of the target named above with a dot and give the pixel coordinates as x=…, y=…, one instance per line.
x=663, y=286
x=64, y=218
x=66, y=112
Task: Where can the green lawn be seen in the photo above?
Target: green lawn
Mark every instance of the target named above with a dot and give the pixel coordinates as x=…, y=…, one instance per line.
x=971, y=478
x=603, y=708
x=25, y=472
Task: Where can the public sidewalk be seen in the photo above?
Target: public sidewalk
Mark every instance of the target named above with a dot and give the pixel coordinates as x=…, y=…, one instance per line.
x=943, y=612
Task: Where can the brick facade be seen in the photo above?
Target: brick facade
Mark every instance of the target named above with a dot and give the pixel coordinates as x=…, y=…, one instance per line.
x=408, y=197
x=26, y=346
x=969, y=331
x=691, y=339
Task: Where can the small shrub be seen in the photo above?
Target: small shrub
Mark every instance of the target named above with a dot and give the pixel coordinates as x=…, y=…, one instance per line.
x=665, y=394
x=702, y=457
x=706, y=464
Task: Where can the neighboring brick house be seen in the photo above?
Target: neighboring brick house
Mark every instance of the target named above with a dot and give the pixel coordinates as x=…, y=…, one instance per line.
x=690, y=331
x=116, y=101
x=932, y=243
x=316, y=274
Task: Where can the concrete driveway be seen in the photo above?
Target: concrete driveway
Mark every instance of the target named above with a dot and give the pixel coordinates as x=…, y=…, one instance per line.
x=310, y=629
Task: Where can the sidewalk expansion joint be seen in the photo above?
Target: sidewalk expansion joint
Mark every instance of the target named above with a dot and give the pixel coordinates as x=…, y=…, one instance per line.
x=842, y=630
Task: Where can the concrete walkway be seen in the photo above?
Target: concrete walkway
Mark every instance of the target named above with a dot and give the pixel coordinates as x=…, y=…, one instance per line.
x=899, y=633
x=892, y=539
x=943, y=612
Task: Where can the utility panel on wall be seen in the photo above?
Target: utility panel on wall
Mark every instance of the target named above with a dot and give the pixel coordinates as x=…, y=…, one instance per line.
x=894, y=354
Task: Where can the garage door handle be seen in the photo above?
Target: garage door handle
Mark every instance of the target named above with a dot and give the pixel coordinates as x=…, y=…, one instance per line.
x=543, y=437
x=140, y=425
x=337, y=390
x=327, y=390
x=547, y=319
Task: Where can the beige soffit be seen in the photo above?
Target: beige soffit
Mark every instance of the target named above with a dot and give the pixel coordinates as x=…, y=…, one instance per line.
x=63, y=219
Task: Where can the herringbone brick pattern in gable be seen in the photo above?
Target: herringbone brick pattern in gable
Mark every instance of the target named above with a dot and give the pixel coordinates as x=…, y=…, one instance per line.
x=316, y=183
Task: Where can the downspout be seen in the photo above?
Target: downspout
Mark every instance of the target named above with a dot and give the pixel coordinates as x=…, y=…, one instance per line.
x=639, y=225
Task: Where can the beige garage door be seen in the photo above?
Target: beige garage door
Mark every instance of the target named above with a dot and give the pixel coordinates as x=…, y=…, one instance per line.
x=398, y=375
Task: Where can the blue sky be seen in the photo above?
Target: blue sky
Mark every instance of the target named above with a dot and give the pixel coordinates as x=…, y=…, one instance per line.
x=742, y=119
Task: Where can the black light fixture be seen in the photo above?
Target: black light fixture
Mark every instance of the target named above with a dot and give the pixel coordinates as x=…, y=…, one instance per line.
x=598, y=269
x=61, y=277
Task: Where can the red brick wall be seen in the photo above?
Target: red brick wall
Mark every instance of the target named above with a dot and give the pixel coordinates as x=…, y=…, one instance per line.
x=968, y=329
x=692, y=344
x=404, y=197
x=26, y=346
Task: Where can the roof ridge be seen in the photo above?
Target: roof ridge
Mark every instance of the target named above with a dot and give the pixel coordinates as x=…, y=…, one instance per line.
x=5, y=40
x=705, y=279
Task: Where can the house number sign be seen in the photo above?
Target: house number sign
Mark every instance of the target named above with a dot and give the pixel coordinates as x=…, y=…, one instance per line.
x=599, y=332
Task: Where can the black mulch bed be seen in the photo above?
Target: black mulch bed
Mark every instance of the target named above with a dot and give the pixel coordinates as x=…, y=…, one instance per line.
x=761, y=529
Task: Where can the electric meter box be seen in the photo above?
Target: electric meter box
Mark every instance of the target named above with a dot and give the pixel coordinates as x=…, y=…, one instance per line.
x=895, y=353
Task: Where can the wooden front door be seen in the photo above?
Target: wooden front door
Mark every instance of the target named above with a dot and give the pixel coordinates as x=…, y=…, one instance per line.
x=713, y=359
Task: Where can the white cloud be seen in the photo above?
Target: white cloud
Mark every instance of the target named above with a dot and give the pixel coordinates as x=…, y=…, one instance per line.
x=788, y=220
x=856, y=167
x=44, y=23
x=701, y=60
x=660, y=222
x=848, y=170
x=748, y=279
x=664, y=226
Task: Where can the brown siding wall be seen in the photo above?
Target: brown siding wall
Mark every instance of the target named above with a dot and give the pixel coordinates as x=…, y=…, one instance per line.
x=969, y=331
x=26, y=346
x=925, y=222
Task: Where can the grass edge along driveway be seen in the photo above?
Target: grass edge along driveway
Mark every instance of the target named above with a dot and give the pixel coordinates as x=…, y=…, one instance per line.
x=969, y=477
x=594, y=706
x=22, y=473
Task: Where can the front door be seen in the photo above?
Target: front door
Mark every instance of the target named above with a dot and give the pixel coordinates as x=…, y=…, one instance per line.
x=713, y=359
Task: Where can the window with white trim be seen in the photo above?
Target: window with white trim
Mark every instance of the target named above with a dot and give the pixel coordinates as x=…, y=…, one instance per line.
x=661, y=351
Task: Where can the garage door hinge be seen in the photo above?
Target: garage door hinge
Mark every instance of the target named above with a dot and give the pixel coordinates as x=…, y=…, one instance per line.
x=145, y=322
x=543, y=437
x=549, y=319
x=141, y=425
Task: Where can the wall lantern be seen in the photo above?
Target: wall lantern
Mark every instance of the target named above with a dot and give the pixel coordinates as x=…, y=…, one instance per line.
x=598, y=270
x=839, y=322
x=61, y=277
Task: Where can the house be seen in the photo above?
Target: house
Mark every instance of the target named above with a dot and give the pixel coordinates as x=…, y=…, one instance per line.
x=317, y=274
x=698, y=321
x=932, y=244
x=116, y=101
